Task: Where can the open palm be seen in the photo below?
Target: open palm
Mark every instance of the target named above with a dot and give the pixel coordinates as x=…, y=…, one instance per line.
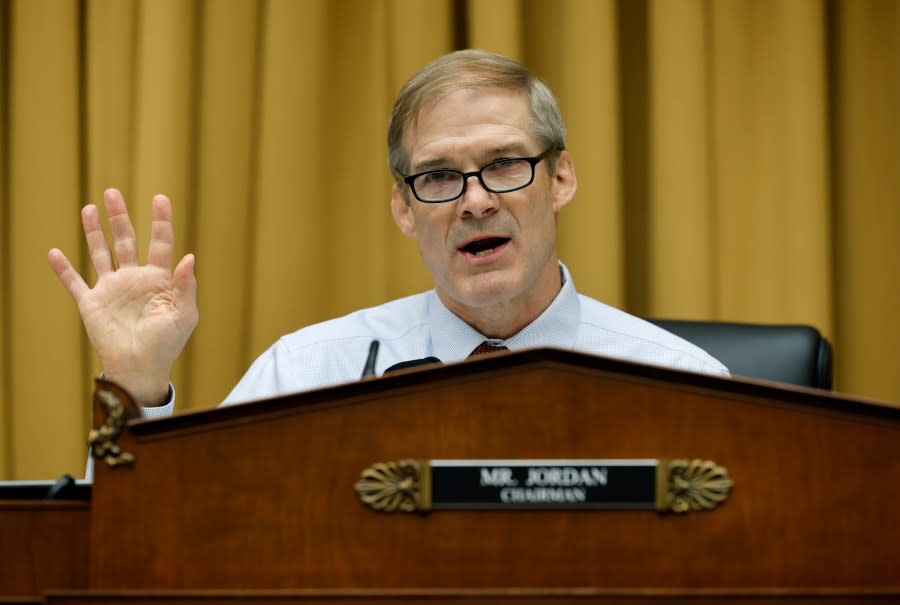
x=138, y=317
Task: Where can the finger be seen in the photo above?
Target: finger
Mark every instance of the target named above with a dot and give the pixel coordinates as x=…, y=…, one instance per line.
x=185, y=283
x=161, y=233
x=98, y=250
x=67, y=274
x=124, y=240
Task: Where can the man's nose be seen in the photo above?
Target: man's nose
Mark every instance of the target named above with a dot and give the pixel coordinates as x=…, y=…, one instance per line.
x=476, y=201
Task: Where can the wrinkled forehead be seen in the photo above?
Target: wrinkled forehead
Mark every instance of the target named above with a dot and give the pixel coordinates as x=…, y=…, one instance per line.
x=461, y=96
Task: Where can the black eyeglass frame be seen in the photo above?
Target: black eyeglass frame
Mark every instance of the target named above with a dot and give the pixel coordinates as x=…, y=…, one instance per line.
x=534, y=161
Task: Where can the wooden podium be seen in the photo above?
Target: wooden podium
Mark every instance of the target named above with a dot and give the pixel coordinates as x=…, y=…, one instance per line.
x=256, y=502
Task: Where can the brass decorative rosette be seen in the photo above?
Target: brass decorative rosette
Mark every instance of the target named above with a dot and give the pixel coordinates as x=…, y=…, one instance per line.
x=400, y=485
x=688, y=485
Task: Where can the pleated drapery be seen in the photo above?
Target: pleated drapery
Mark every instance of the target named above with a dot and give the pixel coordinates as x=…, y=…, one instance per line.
x=737, y=160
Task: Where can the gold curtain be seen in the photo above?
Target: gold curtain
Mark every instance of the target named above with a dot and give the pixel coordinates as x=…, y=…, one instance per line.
x=737, y=160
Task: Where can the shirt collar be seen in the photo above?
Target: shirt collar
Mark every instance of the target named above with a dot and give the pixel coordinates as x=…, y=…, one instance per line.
x=452, y=339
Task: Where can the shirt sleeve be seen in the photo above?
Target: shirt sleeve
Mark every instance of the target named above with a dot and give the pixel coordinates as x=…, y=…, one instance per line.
x=161, y=411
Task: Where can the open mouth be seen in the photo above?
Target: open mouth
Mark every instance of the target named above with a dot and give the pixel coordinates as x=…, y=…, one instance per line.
x=483, y=247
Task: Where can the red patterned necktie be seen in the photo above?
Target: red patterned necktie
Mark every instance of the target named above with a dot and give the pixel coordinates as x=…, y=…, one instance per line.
x=486, y=349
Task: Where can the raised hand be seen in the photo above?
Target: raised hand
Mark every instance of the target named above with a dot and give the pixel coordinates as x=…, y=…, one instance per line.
x=138, y=317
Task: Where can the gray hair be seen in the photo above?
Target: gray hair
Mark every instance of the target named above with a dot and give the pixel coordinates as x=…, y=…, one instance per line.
x=473, y=70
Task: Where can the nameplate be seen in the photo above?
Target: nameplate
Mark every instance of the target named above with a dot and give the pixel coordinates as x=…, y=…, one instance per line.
x=543, y=484
x=433, y=485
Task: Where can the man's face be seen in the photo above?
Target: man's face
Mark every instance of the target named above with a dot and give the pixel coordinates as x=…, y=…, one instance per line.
x=485, y=250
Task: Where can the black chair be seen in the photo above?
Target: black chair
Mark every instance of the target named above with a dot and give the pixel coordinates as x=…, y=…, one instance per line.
x=795, y=354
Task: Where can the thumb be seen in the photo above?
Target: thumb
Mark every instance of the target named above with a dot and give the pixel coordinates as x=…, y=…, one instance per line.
x=185, y=283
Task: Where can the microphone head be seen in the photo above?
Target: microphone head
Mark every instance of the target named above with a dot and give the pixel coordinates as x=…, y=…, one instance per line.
x=425, y=361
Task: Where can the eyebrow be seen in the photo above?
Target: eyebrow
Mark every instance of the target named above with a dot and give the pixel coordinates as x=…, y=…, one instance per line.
x=443, y=162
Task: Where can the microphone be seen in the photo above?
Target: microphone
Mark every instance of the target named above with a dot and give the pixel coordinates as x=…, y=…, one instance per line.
x=413, y=363
x=61, y=488
x=369, y=368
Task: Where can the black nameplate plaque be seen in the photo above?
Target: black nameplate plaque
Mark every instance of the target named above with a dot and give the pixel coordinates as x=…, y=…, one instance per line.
x=543, y=484
x=425, y=485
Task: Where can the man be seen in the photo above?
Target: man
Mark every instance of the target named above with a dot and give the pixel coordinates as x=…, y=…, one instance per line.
x=477, y=145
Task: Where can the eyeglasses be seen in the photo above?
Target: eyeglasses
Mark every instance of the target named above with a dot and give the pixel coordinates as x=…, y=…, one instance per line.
x=500, y=176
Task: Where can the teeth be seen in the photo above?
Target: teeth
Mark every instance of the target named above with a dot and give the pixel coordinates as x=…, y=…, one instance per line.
x=484, y=252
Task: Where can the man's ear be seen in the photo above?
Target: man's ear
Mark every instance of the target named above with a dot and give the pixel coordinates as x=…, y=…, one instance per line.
x=403, y=214
x=564, y=181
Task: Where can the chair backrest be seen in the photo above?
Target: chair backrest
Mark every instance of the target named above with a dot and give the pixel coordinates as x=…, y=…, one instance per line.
x=795, y=354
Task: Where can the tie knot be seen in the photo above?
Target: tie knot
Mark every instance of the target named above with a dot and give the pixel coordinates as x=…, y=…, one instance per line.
x=486, y=348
